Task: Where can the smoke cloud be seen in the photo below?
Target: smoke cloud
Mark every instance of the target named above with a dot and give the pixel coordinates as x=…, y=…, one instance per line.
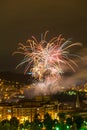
x=61, y=83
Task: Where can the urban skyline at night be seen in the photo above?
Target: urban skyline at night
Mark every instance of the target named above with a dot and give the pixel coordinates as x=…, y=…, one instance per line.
x=43, y=65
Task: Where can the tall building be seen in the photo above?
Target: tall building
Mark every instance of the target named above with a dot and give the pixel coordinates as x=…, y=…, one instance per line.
x=77, y=101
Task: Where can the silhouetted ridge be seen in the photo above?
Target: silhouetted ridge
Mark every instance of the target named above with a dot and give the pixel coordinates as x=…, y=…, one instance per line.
x=18, y=77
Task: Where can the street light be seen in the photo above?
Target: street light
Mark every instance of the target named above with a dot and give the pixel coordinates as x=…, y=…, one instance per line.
x=57, y=128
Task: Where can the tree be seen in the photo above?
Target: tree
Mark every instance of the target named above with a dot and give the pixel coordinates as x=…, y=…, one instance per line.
x=14, y=122
x=63, y=126
x=48, y=122
x=56, y=124
x=26, y=124
x=69, y=121
x=4, y=121
x=61, y=116
x=79, y=121
x=5, y=125
x=21, y=126
x=36, y=124
x=37, y=118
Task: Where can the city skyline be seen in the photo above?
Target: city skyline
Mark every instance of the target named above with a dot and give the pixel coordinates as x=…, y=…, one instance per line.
x=45, y=88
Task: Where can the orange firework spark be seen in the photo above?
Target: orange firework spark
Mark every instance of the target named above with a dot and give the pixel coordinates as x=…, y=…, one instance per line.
x=47, y=58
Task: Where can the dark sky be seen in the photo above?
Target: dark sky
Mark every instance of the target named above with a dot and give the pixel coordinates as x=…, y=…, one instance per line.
x=20, y=19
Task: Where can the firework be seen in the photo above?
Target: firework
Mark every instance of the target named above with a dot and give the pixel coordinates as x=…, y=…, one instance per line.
x=47, y=58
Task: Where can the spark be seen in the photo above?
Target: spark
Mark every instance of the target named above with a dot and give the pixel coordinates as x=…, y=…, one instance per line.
x=45, y=59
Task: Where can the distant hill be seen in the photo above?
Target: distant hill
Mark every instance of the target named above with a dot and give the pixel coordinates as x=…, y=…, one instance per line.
x=18, y=77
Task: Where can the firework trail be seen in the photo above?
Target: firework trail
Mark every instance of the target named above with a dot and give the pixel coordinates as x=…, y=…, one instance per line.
x=46, y=59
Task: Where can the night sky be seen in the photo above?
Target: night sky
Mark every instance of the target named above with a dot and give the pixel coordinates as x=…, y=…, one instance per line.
x=20, y=19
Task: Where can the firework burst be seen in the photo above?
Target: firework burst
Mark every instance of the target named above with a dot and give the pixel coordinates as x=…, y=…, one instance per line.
x=45, y=59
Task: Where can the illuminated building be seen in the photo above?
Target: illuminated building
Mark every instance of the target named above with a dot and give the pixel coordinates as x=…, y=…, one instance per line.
x=13, y=103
